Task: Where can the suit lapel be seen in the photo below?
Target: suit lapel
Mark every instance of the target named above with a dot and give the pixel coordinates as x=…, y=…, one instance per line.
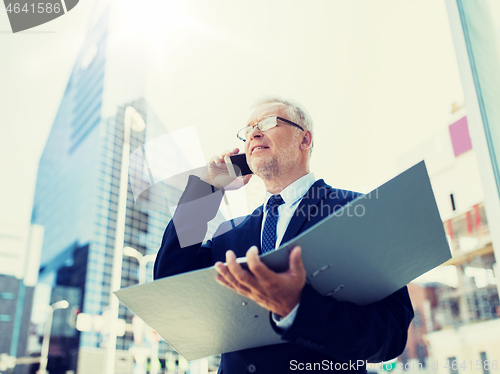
x=315, y=194
x=254, y=228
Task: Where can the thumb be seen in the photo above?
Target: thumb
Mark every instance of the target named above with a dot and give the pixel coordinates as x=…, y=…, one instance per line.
x=246, y=178
x=296, y=264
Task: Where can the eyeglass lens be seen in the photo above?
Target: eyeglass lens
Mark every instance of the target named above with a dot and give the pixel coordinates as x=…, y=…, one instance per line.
x=263, y=125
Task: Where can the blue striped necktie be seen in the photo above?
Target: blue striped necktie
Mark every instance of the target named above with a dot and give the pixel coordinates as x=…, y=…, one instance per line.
x=269, y=232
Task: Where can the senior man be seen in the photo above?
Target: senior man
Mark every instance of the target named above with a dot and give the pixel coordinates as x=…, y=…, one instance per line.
x=319, y=332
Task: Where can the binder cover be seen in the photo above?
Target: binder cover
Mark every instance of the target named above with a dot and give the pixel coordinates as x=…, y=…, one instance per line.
x=364, y=252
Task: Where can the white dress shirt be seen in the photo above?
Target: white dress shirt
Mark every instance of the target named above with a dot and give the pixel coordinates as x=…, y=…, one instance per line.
x=292, y=196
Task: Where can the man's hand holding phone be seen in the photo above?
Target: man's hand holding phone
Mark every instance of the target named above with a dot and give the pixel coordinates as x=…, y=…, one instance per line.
x=218, y=174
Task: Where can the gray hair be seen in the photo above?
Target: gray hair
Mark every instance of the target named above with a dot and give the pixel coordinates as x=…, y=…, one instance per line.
x=296, y=112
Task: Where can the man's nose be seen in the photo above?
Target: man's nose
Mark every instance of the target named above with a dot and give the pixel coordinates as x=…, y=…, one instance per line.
x=255, y=133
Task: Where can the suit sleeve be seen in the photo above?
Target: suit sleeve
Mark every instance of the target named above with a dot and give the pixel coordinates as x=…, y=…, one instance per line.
x=181, y=248
x=346, y=331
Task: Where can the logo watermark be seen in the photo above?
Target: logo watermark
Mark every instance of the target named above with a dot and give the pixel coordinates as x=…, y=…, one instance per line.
x=26, y=14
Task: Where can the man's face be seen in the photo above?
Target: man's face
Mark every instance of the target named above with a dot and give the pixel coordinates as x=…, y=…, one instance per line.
x=279, y=147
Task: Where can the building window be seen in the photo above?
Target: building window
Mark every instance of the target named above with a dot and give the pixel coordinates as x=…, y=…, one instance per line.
x=7, y=295
x=5, y=318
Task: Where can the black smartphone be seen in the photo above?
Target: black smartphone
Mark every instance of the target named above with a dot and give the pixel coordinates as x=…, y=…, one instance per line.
x=239, y=165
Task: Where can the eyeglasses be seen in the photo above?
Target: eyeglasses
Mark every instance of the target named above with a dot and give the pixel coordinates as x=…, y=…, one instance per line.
x=265, y=124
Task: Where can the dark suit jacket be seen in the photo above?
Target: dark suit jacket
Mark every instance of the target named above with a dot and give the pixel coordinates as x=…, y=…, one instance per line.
x=326, y=333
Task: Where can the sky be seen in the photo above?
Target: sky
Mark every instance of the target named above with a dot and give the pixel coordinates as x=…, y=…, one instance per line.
x=378, y=78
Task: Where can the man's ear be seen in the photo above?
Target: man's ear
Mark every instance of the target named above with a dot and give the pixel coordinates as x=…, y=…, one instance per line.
x=306, y=140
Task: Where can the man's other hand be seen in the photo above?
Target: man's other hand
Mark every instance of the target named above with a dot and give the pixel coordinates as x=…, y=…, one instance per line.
x=217, y=173
x=277, y=292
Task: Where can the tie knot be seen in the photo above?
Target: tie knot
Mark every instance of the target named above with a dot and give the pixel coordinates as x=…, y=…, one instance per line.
x=274, y=202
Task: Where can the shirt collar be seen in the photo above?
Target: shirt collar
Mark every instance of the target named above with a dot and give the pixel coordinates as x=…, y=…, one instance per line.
x=295, y=191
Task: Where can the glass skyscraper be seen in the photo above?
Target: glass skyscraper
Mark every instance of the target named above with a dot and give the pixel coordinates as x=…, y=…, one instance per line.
x=76, y=200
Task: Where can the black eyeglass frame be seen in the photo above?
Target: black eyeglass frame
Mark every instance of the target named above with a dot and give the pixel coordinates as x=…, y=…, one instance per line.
x=257, y=124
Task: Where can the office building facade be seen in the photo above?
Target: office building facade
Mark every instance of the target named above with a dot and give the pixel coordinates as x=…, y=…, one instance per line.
x=457, y=313
x=20, y=247
x=76, y=200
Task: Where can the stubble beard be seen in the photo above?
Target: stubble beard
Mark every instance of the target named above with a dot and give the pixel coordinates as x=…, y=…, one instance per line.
x=275, y=165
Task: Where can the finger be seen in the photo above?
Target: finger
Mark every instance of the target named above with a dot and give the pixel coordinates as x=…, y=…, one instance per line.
x=256, y=266
x=240, y=291
x=220, y=268
x=219, y=160
x=220, y=164
x=296, y=264
x=215, y=159
x=229, y=153
x=246, y=178
x=239, y=182
x=219, y=279
x=231, y=283
x=225, y=273
x=237, y=272
x=232, y=152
